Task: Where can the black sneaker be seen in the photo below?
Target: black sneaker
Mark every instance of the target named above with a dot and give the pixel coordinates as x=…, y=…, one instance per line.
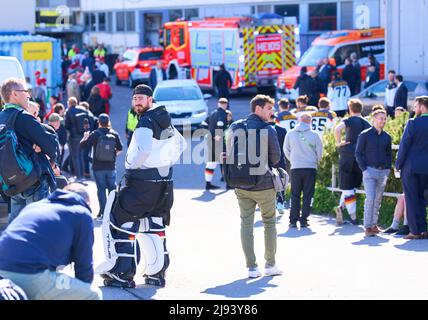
x=390, y=230
x=210, y=186
x=158, y=280
x=292, y=225
x=355, y=221
x=403, y=231
x=304, y=224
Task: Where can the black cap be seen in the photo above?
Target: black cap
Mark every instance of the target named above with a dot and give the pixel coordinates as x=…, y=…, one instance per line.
x=143, y=89
x=104, y=119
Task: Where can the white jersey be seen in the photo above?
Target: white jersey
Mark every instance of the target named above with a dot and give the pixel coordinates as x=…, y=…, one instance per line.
x=338, y=93
x=323, y=120
x=286, y=120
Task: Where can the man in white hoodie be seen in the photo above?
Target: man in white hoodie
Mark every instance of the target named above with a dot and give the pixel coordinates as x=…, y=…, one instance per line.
x=147, y=197
x=303, y=148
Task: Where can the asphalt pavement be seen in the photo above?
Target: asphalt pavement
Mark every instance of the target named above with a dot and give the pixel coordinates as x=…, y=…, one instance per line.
x=320, y=262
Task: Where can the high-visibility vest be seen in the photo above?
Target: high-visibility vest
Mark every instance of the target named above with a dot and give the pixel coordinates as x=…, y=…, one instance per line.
x=132, y=121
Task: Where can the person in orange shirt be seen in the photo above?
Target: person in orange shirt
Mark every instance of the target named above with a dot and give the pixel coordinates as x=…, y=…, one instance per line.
x=106, y=93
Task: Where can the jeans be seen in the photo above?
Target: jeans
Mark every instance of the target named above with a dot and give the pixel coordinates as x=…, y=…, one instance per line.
x=105, y=180
x=374, y=185
x=247, y=204
x=33, y=194
x=50, y=285
x=76, y=156
x=86, y=161
x=302, y=180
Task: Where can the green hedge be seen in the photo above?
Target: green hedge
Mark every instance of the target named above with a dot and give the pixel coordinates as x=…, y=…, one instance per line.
x=325, y=200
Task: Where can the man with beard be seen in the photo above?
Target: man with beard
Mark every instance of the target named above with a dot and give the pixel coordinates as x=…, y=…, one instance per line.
x=146, y=199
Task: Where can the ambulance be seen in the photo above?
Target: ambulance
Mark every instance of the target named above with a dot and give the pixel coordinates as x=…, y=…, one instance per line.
x=255, y=51
x=337, y=46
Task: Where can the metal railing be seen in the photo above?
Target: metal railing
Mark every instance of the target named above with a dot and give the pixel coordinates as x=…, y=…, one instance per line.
x=334, y=187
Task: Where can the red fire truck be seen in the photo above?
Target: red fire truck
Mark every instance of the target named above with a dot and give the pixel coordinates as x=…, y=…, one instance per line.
x=254, y=51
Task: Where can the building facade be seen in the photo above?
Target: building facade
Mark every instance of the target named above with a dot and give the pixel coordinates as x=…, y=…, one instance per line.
x=130, y=23
x=61, y=19
x=17, y=17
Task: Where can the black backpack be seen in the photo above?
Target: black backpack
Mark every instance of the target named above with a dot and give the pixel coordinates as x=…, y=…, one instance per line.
x=238, y=168
x=21, y=171
x=105, y=149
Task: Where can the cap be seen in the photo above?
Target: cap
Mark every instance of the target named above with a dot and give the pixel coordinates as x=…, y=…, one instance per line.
x=143, y=89
x=54, y=117
x=37, y=73
x=103, y=119
x=223, y=100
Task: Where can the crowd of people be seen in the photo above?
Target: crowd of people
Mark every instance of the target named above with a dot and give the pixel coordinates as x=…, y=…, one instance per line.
x=287, y=143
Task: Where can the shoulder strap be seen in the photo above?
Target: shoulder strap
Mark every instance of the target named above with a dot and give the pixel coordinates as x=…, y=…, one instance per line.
x=10, y=125
x=312, y=146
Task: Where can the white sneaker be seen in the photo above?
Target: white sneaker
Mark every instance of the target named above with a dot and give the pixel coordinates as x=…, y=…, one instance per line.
x=254, y=273
x=273, y=271
x=280, y=208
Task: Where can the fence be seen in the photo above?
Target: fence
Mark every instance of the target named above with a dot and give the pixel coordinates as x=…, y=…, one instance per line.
x=334, y=187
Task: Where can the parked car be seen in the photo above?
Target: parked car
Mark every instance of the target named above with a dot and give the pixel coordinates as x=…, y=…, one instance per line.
x=375, y=94
x=184, y=101
x=136, y=64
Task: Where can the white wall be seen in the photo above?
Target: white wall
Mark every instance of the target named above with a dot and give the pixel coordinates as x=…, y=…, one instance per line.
x=406, y=37
x=18, y=15
x=116, y=42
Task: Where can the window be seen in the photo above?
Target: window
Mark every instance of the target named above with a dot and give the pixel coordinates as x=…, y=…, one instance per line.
x=288, y=10
x=191, y=13
x=411, y=86
x=181, y=36
x=375, y=47
x=87, y=21
x=178, y=93
x=130, y=56
x=120, y=21
x=322, y=16
x=42, y=3
x=167, y=37
x=130, y=21
x=102, y=21
x=344, y=52
x=93, y=22
x=314, y=54
x=110, y=21
x=378, y=90
x=264, y=8
x=154, y=55
x=175, y=14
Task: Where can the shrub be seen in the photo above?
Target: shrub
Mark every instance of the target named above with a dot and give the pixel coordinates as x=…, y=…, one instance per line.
x=325, y=200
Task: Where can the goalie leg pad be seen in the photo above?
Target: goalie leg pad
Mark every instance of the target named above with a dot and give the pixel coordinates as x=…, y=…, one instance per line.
x=151, y=239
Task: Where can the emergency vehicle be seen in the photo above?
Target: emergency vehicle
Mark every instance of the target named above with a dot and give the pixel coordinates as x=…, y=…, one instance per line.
x=136, y=64
x=254, y=51
x=337, y=46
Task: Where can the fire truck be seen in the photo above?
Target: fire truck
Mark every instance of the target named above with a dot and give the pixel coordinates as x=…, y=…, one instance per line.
x=255, y=51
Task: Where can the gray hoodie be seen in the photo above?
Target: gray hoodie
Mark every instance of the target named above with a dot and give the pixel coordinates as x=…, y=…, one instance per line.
x=303, y=153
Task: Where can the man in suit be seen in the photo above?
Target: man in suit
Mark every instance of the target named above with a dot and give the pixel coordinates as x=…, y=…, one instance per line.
x=400, y=99
x=325, y=72
x=412, y=161
x=157, y=75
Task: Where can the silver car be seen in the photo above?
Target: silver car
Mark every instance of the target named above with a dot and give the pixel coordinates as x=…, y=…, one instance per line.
x=375, y=94
x=184, y=101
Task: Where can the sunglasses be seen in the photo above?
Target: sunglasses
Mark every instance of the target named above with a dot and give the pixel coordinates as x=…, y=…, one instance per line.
x=23, y=90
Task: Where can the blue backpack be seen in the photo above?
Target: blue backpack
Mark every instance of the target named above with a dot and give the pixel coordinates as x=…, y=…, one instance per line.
x=18, y=171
